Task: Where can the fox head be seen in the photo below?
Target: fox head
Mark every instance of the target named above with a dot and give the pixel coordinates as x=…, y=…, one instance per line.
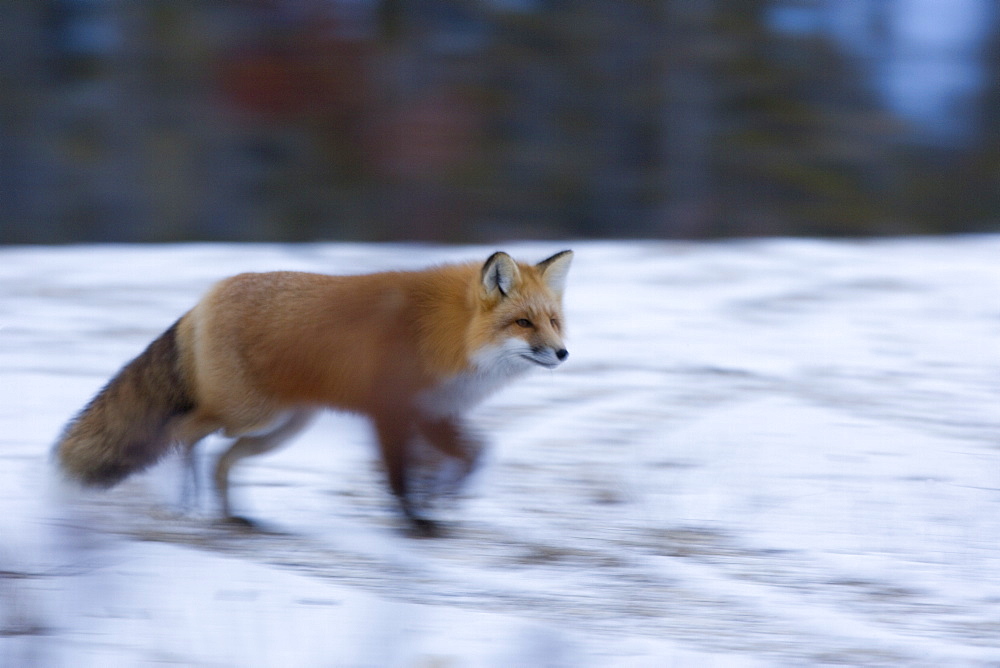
x=521, y=323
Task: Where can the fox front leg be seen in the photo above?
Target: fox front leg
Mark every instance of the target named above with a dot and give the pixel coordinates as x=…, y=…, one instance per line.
x=395, y=443
x=451, y=437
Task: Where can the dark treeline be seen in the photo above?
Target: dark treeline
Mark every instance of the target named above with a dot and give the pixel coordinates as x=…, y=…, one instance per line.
x=461, y=120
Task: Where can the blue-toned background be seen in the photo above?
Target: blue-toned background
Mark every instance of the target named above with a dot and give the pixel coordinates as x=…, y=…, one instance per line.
x=479, y=120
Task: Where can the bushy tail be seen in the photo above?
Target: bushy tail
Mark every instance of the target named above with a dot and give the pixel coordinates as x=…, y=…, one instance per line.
x=126, y=427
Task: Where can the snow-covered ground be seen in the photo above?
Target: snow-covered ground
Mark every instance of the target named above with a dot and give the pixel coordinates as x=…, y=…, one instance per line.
x=758, y=453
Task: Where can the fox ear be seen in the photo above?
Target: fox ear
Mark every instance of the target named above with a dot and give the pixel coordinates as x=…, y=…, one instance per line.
x=554, y=270
x=500, y=273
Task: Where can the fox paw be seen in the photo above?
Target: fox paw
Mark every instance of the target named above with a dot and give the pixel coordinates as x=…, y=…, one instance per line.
x=421, y=527
x=239, y=522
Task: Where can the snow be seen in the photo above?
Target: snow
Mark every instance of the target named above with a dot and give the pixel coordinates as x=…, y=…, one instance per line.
x=776, y=452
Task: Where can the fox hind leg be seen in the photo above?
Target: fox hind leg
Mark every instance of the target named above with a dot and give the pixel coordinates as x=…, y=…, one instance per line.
x=187, y=432
x=249, y=446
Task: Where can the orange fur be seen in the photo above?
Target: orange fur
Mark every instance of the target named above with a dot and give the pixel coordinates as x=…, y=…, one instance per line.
x=411, y=350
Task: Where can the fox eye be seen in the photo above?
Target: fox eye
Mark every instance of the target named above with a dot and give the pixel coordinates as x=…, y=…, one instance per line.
x=523, y=322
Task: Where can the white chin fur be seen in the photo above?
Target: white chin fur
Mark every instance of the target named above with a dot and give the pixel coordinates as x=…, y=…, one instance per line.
x=492, y=368
x=510, y=357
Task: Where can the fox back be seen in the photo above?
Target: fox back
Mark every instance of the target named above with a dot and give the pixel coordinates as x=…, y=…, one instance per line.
x=375, y=342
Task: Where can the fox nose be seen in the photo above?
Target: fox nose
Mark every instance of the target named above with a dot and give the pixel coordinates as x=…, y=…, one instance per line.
x=562, y=354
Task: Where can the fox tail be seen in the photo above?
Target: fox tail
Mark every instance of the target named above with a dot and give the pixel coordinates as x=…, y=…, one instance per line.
x=127, y=426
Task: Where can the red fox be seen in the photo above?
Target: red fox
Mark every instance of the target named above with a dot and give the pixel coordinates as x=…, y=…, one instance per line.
x=261, y=353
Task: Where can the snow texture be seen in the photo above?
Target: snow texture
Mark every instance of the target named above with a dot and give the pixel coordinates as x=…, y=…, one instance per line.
x=779, y=452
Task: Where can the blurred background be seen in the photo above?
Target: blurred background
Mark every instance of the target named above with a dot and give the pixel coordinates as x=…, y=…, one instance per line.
x=479, y=120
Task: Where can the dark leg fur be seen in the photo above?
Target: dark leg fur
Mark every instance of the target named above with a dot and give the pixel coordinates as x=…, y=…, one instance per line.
x=450, y=437
x=395, y=440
